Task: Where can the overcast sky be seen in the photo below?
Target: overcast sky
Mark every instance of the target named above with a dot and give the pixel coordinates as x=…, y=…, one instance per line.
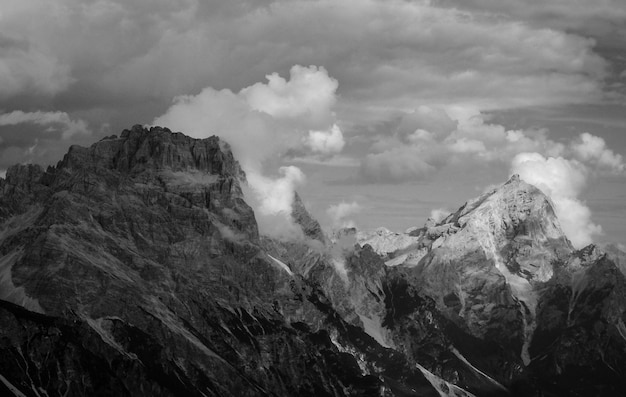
x=380, y=113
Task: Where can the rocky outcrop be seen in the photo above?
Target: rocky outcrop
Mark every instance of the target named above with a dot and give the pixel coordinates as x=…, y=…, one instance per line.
x=310, y=227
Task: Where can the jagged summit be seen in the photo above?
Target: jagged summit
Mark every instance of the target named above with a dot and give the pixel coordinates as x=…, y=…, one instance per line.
x=140, y=148
x=514, y=211
x=310, y=227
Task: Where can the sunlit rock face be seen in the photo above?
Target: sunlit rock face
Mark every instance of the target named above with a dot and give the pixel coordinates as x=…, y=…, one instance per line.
x=487, y=259
x=502, y=271
x=135, y=267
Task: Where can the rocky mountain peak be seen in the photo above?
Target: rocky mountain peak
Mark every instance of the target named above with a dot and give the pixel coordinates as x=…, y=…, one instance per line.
x=140, y=148
x=515, y=211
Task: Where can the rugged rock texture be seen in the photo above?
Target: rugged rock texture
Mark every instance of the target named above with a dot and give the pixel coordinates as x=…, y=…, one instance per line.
x=135, y=267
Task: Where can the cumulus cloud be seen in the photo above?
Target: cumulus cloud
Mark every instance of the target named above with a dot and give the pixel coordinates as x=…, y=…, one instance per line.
x=593, y=149
x=272, y=200
x=308, y=95
x=339, y=213
x=263, y=122
x=277, y=194
x=326, y=142
x=563, y=181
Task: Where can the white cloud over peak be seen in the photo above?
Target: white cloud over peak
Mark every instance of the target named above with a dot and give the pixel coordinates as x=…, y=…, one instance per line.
x=563, y=181
x=308, y=95
x=462, y=136
x=277, y=194
x=263, y=122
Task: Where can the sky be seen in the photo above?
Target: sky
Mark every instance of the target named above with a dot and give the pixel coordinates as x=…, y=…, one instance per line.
x=379, y=113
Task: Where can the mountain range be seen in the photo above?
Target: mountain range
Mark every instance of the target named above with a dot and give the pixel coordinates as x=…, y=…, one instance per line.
x=135, y=267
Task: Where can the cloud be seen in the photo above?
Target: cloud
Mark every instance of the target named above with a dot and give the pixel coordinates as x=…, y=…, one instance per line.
x=601, y=17
x=563, y=181
x=462, y=137
x=116, y=56
x=308, y=95
x=26, y=68
x=340, y=212
x=277, y=194
x=593, y=149
x=326, y=142
x=438, y=214
x=257, y=132
x=272, y=201
x=262, y=123
x=55, y=121
x=39, y=137
x=396, y=165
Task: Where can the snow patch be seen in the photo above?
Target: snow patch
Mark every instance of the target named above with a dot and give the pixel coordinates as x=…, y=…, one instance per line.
x=444, y=388
x=282, y=265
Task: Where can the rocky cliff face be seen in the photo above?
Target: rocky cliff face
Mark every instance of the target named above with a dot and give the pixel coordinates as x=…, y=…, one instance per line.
x=135, y=267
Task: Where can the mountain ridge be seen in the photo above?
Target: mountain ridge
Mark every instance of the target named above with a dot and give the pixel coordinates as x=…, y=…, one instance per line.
x=140, y=258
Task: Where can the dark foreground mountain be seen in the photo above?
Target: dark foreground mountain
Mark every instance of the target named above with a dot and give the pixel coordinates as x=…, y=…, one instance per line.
x=135, y=267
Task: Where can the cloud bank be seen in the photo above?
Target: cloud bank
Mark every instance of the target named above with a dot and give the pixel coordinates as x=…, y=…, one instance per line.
x=153, y=51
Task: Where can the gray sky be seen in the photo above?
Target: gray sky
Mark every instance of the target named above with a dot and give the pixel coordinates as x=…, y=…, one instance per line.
x=395, y=108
